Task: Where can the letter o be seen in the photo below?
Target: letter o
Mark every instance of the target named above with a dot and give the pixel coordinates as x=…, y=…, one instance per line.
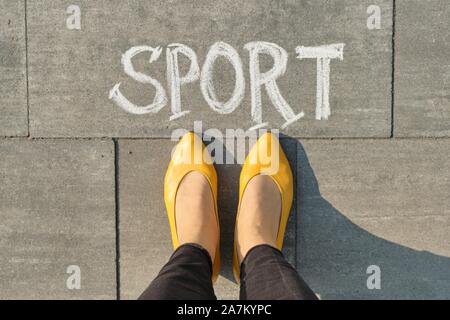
x=228, y=52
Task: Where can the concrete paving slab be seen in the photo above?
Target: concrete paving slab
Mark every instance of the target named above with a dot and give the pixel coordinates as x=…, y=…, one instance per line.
x=422, y=69
x=145, y=244
x=374, y=202
x=57, y=210
x=72, y=71
x=13, y=88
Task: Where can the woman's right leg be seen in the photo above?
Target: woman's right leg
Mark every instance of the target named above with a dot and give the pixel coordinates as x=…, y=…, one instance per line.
x=264, y=274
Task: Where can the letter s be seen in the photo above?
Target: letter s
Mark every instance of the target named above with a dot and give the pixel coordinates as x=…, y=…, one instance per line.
x=160, y=99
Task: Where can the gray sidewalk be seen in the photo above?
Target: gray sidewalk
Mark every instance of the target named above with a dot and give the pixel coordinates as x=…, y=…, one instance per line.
x=81, y=179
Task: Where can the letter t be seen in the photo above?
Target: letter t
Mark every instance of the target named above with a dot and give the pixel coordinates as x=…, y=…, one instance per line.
x=323, y=54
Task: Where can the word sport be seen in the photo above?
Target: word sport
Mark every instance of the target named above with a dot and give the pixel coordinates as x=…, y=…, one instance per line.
x=258, y=79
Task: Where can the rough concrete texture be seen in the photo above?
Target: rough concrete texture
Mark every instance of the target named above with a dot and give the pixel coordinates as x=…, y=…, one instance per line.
x=13, y=92
x=375, y=202
x=145, y=244
x=71, y=72
x=57, y=209
x=422, y=69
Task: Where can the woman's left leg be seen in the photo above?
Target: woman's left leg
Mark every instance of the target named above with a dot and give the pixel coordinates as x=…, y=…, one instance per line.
x=187, y=276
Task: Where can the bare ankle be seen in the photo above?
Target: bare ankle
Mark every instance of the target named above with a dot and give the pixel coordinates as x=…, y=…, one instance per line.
x=195, y=213
x=259, y=215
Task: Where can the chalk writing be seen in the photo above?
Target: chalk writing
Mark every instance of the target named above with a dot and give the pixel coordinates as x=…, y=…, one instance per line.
x=258, y=80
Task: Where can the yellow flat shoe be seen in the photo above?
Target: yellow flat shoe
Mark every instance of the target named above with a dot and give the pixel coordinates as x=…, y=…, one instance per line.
x=190, y=155
x=268, y=158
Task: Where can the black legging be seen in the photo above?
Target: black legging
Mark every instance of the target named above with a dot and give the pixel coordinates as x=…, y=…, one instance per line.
x=265, y=275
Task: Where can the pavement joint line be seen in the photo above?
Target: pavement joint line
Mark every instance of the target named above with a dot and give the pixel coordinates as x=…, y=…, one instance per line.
x=117, y=213
x=394, y=12
x=27, y=69
x=424, y=138
x=394, y=216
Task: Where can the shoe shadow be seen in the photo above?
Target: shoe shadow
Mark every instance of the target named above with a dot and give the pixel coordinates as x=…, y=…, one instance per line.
x=333, y=253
